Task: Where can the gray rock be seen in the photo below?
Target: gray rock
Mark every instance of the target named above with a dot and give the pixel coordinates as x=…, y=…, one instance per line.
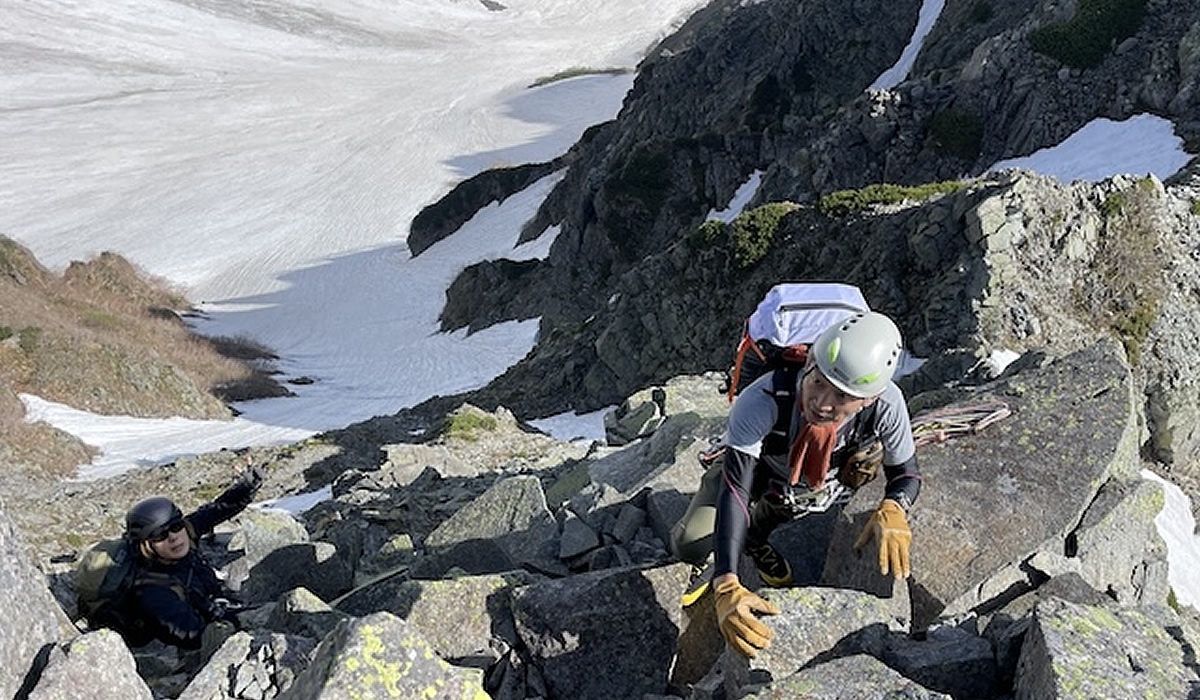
x=315, y=566
x=856, y=677
x=664, y=508
x=948, y=659
x=1117, y=545
x=31, y=621
x=299, y=612
x=603, y=634
x=1006, y=628
x=393, y=555
x=1079, y=651
x=380, y=655
x=98, y=661
x=467, y=621
x=999, y=497
x=815, y=622
x=577, y=537
x=512, y=513
x=667, y=459
x=636, y=417
x=251, y=666
x=258, y=533
x=470, y=557
x=629, y=520
x=262, y=531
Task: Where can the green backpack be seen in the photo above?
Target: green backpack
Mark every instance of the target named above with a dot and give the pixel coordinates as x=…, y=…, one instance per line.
x=104, y=575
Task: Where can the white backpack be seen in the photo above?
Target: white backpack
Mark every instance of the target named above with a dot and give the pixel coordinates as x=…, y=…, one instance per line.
x=791, y=314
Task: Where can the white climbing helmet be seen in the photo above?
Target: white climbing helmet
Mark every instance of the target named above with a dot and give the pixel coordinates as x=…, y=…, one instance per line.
x=859, y=355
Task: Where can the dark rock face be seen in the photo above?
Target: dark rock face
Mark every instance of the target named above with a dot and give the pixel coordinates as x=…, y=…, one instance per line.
x=445, y=216
x=701, y=117
x=779, y=88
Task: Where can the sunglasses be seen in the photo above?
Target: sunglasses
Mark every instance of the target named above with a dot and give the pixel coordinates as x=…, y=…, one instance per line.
x=170, y=530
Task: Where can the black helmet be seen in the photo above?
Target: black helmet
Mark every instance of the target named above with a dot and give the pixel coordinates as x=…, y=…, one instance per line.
x=150, y=517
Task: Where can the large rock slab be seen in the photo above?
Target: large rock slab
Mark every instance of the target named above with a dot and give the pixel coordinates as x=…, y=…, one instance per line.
x=857, y=677
x=604, y=634
x=813, y=622
x=1118, y=546
x=460, y=618
x=30, y=619
x=98, y=661
x=1089, y=652
x=992, y=500
x=381, y=656
x=664, y=460
x=512, y=514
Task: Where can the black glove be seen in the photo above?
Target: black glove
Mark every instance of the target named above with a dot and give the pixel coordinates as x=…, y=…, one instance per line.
x=252, y=477
x=241, y=492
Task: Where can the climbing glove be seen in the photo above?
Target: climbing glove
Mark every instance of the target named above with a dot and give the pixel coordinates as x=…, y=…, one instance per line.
x=736, y=608
x=889, y=524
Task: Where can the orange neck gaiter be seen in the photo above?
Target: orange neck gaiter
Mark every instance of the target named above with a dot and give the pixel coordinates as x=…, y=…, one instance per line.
x=810, y=453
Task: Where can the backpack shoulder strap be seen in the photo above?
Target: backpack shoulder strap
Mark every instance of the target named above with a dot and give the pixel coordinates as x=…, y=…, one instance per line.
x=783, y=390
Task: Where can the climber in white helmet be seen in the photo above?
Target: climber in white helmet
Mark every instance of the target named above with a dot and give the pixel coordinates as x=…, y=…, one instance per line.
x=796, y=439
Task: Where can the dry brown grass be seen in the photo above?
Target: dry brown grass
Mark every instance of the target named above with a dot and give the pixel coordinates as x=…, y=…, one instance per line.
x=106, y=338
x=1128, y=284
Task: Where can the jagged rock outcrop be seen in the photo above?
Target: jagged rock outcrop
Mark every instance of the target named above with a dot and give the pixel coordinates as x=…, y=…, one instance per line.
x=632, y=294
x=33, y=621
x=442, y=218
x=1011, y=262
x=779, y=88
x=705, y=111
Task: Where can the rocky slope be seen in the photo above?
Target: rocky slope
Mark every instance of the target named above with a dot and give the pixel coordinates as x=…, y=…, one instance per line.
x=479, y=559
x=461, y=554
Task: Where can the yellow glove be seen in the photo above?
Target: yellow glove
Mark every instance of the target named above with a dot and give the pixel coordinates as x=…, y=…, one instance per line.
x=890, y=525
x=736, y=608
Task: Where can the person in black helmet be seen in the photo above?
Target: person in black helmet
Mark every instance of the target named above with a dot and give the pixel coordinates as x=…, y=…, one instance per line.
x=176, y=593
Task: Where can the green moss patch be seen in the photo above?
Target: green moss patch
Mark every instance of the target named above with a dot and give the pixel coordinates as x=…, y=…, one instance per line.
x=844, y=202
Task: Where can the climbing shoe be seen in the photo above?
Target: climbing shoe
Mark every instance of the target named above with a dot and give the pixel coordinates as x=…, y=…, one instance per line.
x=698, y=583
x=772, y=567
